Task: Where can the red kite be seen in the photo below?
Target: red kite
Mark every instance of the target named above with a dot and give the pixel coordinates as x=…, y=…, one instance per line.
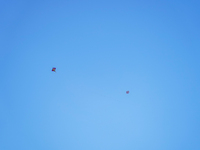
x=127, y=92
x=53, y=69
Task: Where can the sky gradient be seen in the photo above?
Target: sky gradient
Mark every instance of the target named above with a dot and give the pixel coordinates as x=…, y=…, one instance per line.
x=101, y=49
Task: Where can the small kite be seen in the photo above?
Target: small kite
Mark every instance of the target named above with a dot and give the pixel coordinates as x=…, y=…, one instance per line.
x=127, y=92
x=53, y=69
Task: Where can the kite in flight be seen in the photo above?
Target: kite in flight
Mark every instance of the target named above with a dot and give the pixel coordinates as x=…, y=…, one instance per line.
x=53, y=69
x=127, y=92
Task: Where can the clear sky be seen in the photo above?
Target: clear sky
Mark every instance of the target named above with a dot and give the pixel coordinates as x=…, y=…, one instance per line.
x=101, y=49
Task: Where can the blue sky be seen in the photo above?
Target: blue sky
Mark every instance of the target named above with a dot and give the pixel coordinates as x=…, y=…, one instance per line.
x=101, y=49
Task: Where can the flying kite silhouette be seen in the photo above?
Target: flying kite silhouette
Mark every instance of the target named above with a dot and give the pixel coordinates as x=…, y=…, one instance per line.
x=53, y=69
